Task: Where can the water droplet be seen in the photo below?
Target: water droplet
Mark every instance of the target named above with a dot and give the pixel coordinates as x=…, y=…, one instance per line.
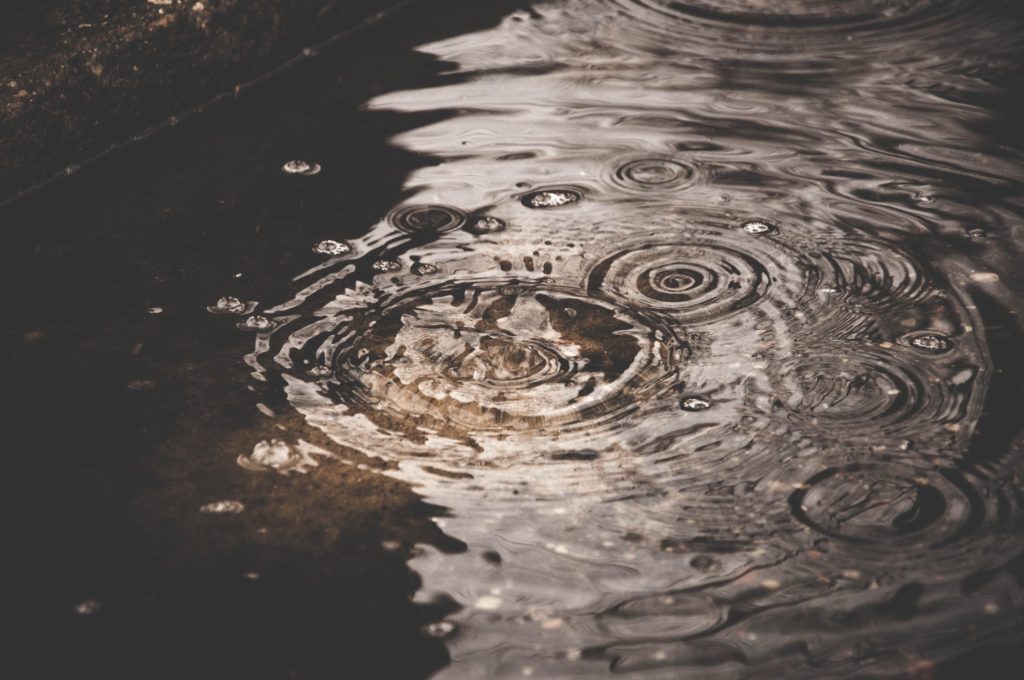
x=695, y=404
x=87, y=607
x=251, y=576
x=928, y=341
x=155, y=310
x=222, y=508
x=320, y=372
x=384, y=266
x=553, y=197
x=231, y=305
x=300, y=168
x=441, y=629
x=423, y=269
x=705, y=564
x=257, y=322
x=438, y=219
x=486, y=224
x=652, y=173
x=332, y=247
x=488, y=603
x=985, y=277
x=977, y=233
x=758, y=227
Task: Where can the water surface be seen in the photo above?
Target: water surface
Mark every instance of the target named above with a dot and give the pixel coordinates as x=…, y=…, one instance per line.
x=694, y=325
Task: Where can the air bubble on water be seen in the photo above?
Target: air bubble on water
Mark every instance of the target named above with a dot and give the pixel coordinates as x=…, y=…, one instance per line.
x=155, y=310
x=441, y=629
x=487, y=603
x=757, y=227
x=695, y=404
x=486, y=224
x=304, y=168
x=222, y=508
x=705, y=564
x=423, y=269
x=257, y=322
x=384, y=266
x=277, y=455
x=274, y=453
x=231, y=305
x=87, y=607
x=928, y=342
x=551, y=198
x=332, y=247
x=320, y=372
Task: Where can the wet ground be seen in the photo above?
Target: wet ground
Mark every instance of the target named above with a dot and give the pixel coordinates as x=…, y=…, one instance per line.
x=597, y=337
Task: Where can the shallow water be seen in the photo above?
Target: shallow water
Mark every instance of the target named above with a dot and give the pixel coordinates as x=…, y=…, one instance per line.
x=695, y=324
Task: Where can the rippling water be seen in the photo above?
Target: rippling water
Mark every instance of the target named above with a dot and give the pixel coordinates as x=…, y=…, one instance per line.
x=674, y=330
x=696, y=323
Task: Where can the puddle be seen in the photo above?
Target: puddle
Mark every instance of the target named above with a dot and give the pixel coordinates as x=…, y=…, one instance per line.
x=689, y=378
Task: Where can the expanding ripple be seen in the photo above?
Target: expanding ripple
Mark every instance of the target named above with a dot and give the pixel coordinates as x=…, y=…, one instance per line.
x=676, y=337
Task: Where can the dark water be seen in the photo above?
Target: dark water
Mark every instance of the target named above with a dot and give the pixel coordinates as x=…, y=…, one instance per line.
x=631, y=337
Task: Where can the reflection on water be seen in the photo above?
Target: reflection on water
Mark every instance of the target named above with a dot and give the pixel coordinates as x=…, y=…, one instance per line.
x=672, y=331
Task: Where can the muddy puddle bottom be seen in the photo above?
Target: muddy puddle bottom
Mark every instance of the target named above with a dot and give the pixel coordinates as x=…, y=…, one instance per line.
x=693, y=325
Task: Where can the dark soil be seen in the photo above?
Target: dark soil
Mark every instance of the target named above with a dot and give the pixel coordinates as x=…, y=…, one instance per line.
x=79, y=76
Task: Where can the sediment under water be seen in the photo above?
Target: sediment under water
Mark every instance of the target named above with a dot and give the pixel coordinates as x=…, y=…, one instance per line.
x=700, y=325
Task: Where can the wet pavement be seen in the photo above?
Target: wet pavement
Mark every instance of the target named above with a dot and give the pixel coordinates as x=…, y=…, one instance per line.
x=597, y=337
